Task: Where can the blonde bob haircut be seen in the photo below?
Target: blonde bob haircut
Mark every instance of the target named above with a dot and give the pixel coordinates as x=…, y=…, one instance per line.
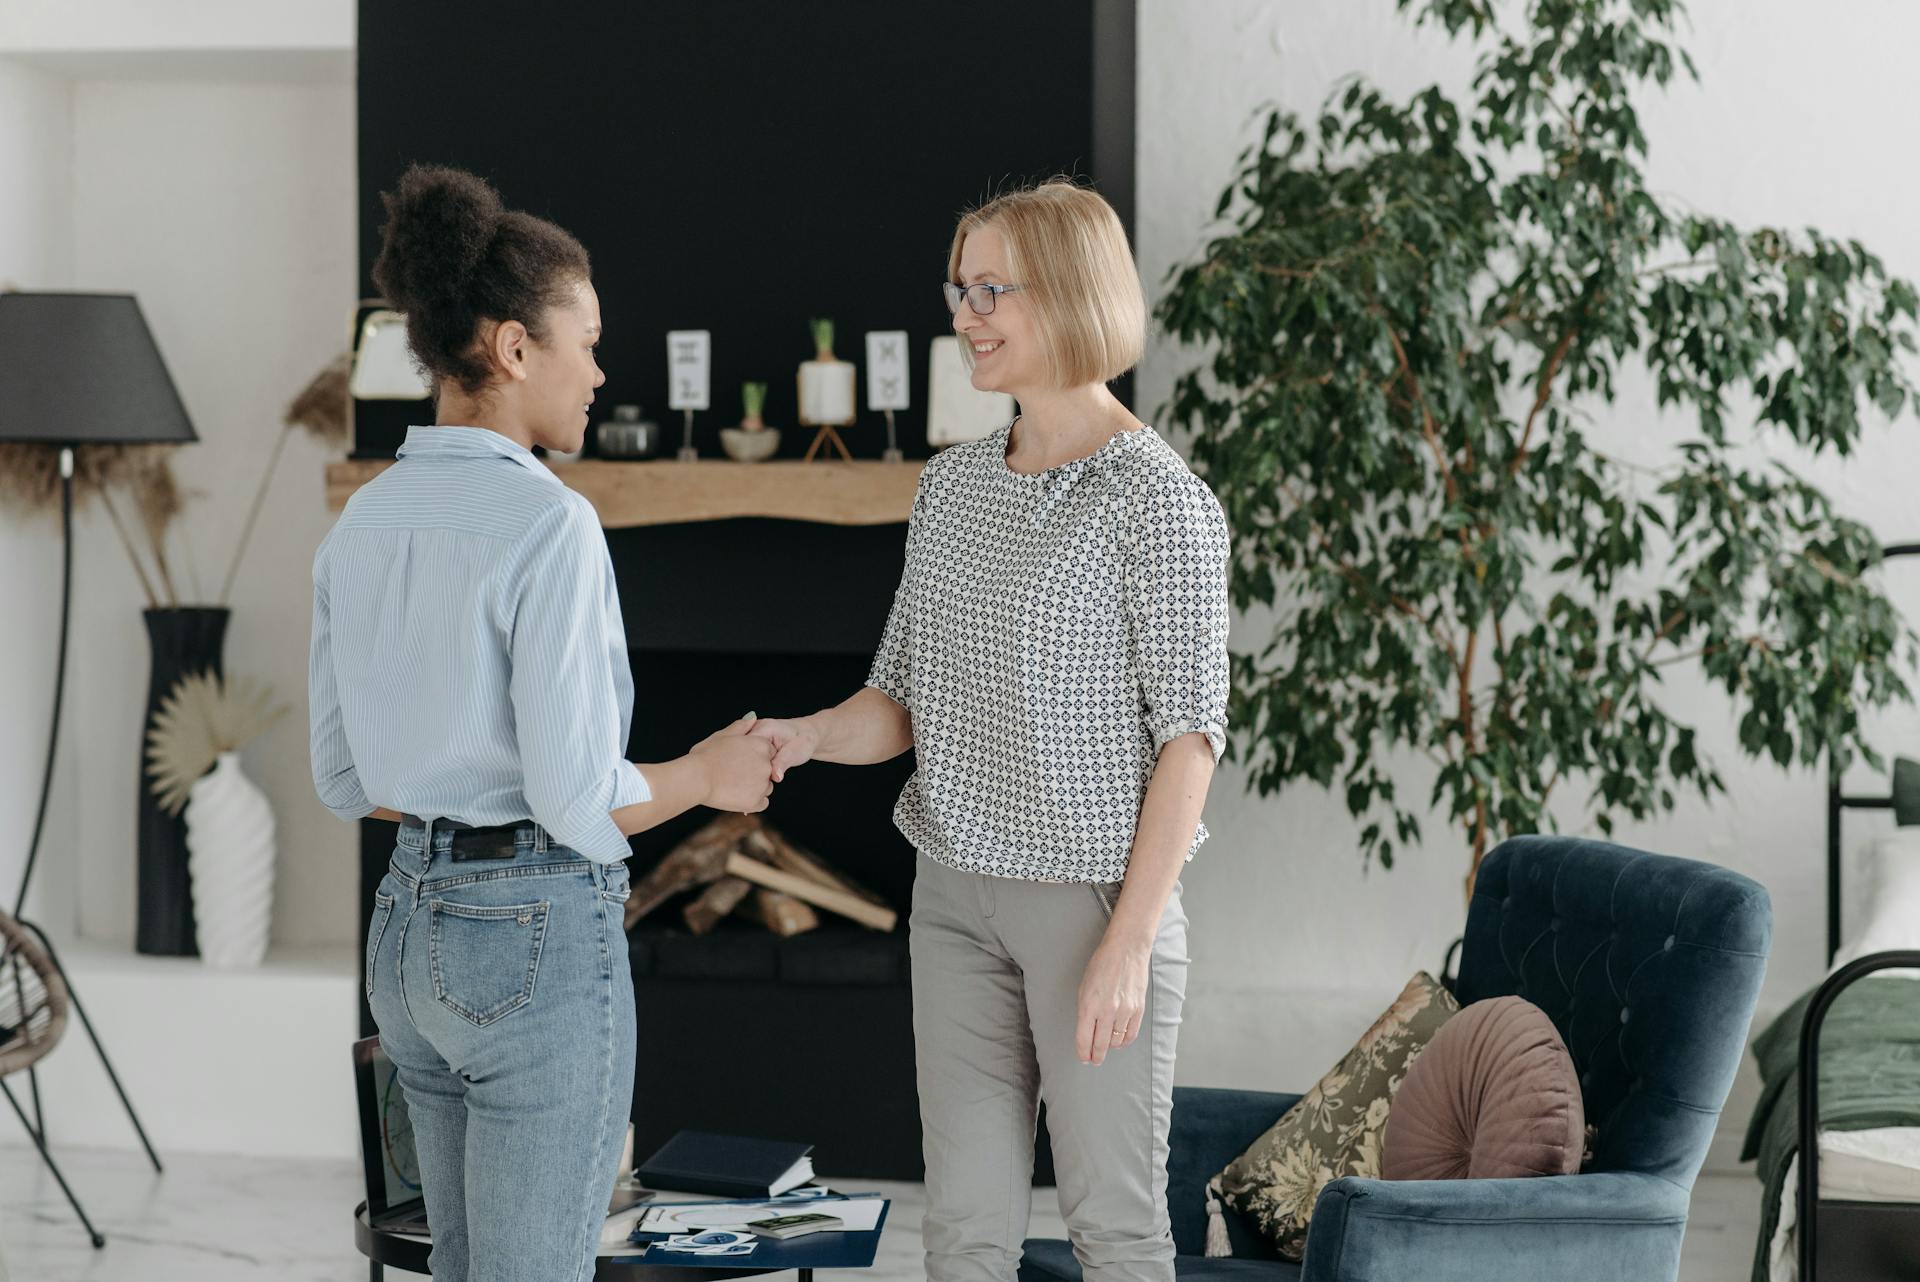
x=1068, y=253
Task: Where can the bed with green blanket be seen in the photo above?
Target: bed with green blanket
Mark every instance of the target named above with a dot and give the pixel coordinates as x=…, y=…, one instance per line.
x=1869, y=1078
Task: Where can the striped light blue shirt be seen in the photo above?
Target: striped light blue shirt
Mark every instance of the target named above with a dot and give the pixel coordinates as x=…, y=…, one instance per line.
x=468, y=659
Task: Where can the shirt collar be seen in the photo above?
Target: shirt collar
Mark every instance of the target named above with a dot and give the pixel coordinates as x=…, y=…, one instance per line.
x=469, y=442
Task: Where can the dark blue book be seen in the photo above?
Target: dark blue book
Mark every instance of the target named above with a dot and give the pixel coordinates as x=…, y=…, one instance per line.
x=728, y=1165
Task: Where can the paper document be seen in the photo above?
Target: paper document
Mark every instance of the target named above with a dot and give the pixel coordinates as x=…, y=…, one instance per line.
x=860, y=1213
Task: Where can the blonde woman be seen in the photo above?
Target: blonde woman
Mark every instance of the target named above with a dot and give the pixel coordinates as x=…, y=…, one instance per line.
x=1056, y=656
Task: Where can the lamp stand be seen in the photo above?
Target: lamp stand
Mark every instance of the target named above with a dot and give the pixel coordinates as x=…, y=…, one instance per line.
x=37, y=1128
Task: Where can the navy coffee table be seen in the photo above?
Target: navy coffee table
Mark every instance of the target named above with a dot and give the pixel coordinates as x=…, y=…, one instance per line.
x=816, y=1251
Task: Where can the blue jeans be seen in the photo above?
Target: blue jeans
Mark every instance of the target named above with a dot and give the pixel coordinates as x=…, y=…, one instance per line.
x=503, y=995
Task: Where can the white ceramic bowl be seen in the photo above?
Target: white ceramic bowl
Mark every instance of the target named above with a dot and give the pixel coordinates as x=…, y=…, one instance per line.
x=743, y=446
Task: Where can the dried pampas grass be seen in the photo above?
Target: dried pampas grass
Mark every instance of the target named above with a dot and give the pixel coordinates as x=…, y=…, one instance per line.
x=30, y=474
x=321, y=408
x=30, y=482
x=156, y=493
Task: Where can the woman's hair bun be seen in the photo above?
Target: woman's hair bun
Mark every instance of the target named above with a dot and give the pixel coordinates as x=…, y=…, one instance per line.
x=440, y=222
x=452, y=256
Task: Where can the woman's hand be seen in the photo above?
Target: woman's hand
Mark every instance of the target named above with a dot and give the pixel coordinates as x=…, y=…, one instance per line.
x=794, y=742
x=864, y=728
x=738, y=766
x=1113, y=997
x=1113, y=992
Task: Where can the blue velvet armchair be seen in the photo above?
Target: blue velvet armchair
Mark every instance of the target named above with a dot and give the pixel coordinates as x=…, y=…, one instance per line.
x=1649, y=967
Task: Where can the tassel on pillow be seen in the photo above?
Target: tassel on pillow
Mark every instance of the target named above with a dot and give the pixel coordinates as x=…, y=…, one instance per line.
x=1219, y=1247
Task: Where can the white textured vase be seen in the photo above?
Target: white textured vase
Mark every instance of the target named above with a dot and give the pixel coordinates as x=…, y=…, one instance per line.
x=230, y=859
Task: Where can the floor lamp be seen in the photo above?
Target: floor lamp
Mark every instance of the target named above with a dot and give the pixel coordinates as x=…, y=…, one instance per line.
x=78, y=370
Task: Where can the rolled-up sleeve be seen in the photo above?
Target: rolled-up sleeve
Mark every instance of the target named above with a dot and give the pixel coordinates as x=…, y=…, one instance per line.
x=569, y=706
x=335, y=777
x=892, y=671
x=1176, y=599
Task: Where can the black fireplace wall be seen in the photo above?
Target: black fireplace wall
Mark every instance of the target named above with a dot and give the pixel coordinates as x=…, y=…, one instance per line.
x=777, y=618
x=841, y=813
x=743, y=165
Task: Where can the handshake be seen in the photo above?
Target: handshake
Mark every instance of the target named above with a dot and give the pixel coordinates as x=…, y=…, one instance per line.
x=743, y=762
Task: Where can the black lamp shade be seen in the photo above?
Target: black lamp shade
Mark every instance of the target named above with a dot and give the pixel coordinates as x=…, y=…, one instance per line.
x=82, y=369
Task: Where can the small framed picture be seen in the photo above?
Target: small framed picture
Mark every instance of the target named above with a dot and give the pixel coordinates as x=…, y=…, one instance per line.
x=689, y=369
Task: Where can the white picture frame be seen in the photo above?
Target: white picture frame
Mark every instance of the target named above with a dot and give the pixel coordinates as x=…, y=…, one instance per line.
x=689, y=369
x=957, y=411
x=889, y=383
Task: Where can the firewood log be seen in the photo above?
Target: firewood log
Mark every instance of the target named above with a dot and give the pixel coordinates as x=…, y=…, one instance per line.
x=782, y=914
x=833, y=900
x=720, y=898
x=769, y=846
x=700, y=859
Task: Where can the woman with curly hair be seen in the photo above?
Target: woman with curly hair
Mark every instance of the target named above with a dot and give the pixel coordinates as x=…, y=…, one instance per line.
x=469, y=680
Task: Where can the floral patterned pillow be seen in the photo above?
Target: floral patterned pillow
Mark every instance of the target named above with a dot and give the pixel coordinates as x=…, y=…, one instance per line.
x=1335, y=1130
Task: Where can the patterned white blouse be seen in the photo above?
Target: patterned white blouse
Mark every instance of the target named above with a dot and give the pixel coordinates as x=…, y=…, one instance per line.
x=1052, y=632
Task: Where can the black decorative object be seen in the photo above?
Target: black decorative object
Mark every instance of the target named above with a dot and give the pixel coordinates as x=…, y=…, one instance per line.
x=81, y=370
x=184, y=640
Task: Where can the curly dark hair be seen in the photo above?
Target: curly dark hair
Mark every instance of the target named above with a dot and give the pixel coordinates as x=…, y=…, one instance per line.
x=453, y=255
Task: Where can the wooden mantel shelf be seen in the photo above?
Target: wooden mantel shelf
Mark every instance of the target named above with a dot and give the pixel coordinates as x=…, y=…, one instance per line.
x=668, y=492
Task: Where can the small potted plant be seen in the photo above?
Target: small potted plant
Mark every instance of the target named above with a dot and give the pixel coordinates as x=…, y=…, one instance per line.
x=753, y=440
x=826, y=391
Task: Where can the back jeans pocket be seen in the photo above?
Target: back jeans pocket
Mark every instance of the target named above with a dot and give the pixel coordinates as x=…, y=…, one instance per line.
x=484, y=959
x=376, y=928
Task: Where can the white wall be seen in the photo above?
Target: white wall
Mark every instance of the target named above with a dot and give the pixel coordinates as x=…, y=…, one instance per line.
x=62, y=28
x=201, y=155
x=1797, y=122
x=36, y=252
x=36, y=196
x=229, y=208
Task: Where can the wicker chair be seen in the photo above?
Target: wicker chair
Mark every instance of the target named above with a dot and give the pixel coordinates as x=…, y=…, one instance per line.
x=33, y=1000
x=33, y=1014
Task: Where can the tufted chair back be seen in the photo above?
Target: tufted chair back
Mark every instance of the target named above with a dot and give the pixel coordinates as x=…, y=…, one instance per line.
x=1649, y=967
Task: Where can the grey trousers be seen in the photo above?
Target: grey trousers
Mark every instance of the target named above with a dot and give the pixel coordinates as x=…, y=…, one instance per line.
x=997, y=964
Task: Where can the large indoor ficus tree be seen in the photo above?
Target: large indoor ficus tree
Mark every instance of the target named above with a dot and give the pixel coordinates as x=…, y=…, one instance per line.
x=1414, y=313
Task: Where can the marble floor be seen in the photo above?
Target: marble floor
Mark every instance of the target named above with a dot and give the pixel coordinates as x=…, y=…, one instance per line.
x=233, y=1219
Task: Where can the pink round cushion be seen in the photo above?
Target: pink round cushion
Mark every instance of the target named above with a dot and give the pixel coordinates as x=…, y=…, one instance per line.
x=1494, y=1095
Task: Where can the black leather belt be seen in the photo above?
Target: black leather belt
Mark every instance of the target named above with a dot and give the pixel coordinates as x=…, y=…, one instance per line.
x=470, y=842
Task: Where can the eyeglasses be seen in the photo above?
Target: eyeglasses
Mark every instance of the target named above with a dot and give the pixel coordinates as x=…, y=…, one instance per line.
x=979, y=297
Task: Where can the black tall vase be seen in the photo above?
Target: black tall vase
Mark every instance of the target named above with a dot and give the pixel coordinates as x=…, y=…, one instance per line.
x=185, y=639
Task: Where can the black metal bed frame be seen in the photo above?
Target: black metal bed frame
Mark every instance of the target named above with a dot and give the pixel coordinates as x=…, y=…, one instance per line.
x=1838, y=801
x=1864, y=1241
